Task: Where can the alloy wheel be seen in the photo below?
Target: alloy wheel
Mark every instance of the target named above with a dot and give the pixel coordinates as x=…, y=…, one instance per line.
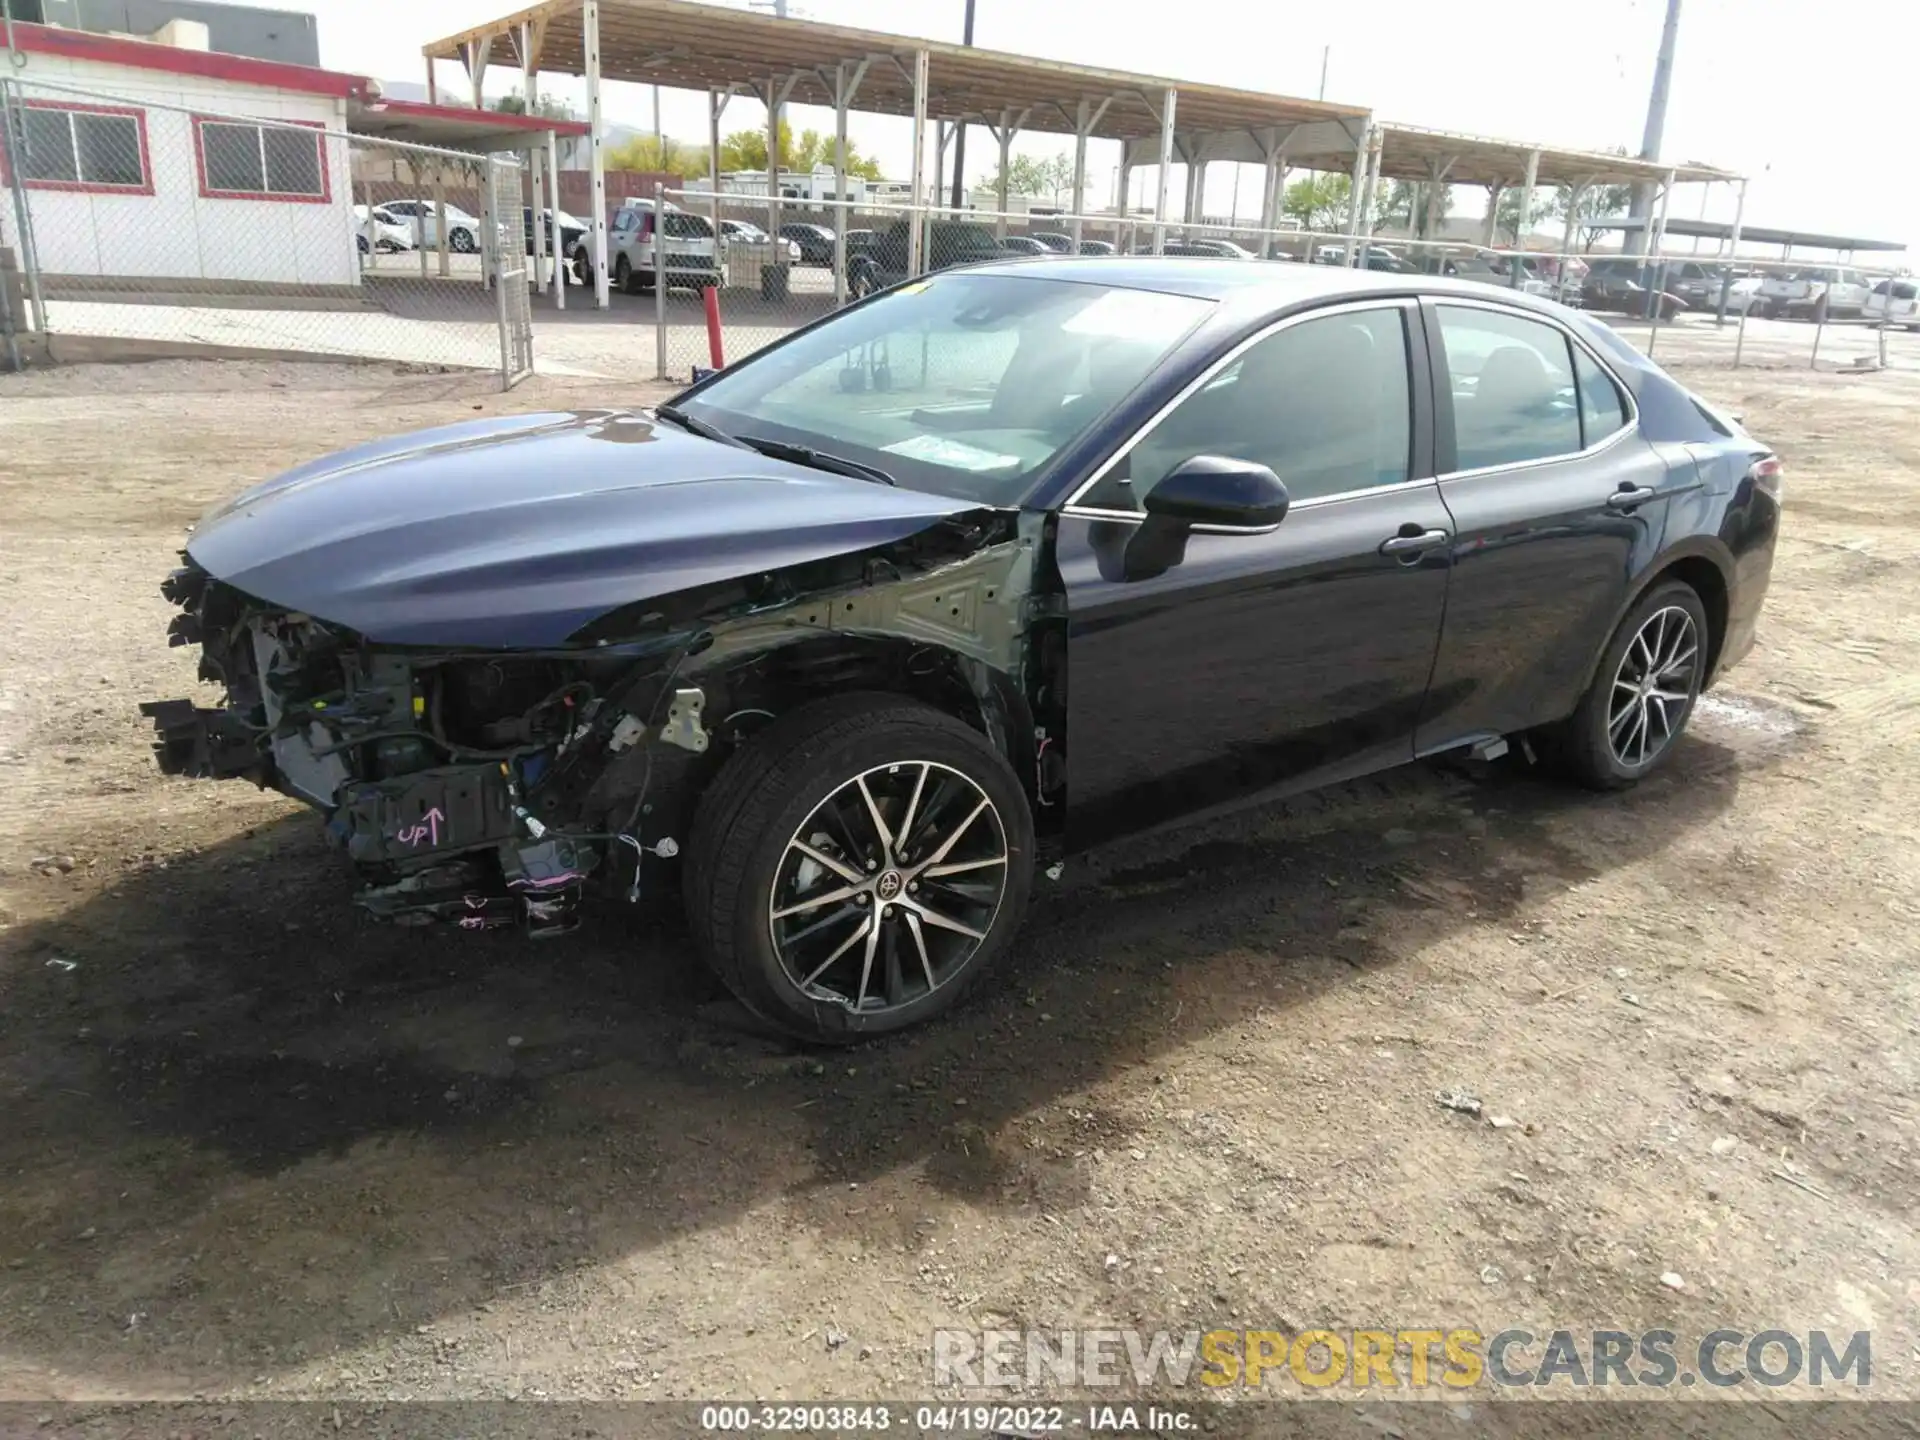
x=889, y=887
x=1653, y=687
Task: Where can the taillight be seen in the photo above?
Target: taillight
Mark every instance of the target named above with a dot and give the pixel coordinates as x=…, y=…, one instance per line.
x=1767, y=475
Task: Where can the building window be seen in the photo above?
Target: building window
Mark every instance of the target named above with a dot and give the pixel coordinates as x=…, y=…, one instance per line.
x=80, y=147
x=260, y=162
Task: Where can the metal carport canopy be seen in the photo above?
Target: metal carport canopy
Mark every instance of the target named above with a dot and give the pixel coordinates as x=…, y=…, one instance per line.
x=704, y=47
x=1408, y=152
x=454, y=127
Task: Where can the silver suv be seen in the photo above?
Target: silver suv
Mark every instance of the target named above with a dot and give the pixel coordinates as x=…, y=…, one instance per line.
x=694, y=258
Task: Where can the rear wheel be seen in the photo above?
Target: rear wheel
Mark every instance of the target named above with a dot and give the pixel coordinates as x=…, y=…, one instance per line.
x=461, y=241
x=1643, y=691
x=857, y=866
x=623, y=280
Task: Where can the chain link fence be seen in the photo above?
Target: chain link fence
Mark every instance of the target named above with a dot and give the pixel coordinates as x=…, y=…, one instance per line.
x=155, y=229
x=784, y=263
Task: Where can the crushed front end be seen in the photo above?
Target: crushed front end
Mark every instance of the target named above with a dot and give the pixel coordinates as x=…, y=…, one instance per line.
x=494, y=787
x=473, y=787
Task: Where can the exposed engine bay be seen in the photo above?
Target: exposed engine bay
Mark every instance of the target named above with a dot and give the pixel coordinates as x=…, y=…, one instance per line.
x=500, y=788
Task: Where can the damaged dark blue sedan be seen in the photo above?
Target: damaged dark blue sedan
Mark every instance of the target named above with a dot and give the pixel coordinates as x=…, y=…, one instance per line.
x=851, y=637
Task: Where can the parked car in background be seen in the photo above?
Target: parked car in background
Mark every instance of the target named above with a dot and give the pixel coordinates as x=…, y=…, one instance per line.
x=421, y=217
x=1063, y=244
x=1513, y=272
x=1700, y=285
x=949, y=243
x=1199, y=249
x=1095, y=549
x=745, y=232
x=1894, y=302
x=1024, y=245
x=1797, y=294
x=1614, y=285
x=569, y=239
x=693, y=256
x=1378, y=257
x=815, y=242
x=379, y=230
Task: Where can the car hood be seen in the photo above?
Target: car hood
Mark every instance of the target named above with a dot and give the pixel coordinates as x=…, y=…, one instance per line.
x=513, y=533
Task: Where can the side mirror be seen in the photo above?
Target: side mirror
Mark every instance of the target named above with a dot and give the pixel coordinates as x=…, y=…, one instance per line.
x=1216, y=490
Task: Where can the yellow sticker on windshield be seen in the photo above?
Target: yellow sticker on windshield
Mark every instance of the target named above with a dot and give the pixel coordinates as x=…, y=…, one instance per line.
x=913, y=289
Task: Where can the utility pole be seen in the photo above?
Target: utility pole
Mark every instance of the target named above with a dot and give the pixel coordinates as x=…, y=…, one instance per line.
x=960, y=126
x=1326, y=54
x=1641, y=208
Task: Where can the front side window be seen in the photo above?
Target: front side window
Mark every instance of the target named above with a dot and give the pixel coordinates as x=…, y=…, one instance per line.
x=1323, y=403
x=69, y=147
x=264, y=162
x=1511, y=387
x=962, y=384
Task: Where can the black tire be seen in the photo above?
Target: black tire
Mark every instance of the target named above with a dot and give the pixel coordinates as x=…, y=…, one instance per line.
x=582, y=262
x=460, y=241
x=361, y=241
x=623, y=277
x=771, y=788
x=1583, y=743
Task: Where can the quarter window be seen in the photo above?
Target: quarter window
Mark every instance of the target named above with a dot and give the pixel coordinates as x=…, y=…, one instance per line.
x=1324, y=404
x=1512, y=388
x=1602, y=411
x=63, y=147
x=268, y=162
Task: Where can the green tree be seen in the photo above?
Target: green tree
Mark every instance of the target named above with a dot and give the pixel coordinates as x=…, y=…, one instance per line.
x=1318, y=202
x=747, y=150
x=546, y=107
x=1049, y=175
x=1393, y=204
x=1508, y=221
x=666, y=155
x=1596, y=203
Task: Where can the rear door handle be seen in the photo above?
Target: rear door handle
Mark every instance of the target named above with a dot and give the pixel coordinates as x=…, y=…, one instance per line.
x=1412, y=542
x=1628, y=497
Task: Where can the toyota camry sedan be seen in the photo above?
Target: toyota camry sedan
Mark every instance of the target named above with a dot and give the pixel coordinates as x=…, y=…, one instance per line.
x=842, y=645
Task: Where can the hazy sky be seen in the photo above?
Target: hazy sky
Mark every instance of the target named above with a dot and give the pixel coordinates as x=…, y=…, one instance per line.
x=1783, y=91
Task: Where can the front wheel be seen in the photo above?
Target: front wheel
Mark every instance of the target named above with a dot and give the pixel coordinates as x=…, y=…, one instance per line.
x=1643, y=691
x=461, y=241
x=857, y=866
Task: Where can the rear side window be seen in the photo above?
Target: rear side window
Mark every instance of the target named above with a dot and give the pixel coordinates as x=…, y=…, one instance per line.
x=1511, y=386
x=1602, y=411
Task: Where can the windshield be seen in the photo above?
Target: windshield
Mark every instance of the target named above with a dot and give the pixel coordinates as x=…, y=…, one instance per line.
x=964, y=385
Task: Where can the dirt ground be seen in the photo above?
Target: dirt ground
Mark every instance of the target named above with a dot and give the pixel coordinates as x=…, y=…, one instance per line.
x=252, y=1146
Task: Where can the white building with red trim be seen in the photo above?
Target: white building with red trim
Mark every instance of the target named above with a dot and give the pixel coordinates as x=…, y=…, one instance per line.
x=138, y=162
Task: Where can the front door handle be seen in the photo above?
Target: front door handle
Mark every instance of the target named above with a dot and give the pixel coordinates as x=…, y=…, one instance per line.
x=1628, y=496
x=1411, y=541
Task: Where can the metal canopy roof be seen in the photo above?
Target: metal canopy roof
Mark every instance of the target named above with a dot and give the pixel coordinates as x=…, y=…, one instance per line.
x=454, y=127
x=1757, y=234
x=704, y=47
x=1411, y=153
